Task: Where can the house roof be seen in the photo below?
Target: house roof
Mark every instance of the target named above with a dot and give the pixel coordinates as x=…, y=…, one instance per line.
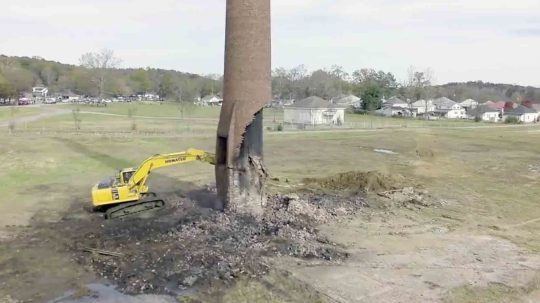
x=422, y=103
x=499, y=104
x=468, y=102
x=394, y=100
x=39, y=88
x=536, y=106
x=444, y=102
x=344, y=99
x=509, y=105
x=313, y=102
x=482, y=109
x=519, y=110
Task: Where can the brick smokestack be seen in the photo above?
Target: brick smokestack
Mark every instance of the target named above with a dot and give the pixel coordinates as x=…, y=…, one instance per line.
x=240, y=173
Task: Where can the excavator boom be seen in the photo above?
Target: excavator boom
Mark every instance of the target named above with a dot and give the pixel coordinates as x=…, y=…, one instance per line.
x=128, y=193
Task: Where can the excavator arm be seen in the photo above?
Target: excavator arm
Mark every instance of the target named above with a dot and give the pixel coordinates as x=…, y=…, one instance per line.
x=139, y=177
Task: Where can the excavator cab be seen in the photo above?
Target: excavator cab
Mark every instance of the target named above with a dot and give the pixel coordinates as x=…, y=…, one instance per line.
x=114, y=190
x=126, y=174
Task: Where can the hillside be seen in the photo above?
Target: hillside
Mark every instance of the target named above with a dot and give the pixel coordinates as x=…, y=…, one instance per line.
x=19, y=74
x=483, y=91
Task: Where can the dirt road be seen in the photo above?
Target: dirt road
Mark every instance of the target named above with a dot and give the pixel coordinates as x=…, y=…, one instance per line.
x=48, y=112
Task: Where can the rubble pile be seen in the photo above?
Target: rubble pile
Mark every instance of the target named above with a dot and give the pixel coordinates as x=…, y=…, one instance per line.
x=358, y=182
x=192, y=246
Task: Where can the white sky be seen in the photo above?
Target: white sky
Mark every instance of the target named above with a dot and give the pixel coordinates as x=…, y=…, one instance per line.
x=461, y=40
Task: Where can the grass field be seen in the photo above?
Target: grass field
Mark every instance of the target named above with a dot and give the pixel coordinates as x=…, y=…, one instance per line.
x=489, y=177
x=11, y=112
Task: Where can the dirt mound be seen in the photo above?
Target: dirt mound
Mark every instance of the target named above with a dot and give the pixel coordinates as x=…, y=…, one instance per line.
x=357, y=181
x=192, y=247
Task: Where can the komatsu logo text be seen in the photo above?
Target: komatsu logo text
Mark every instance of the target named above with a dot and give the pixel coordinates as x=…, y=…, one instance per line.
x=179, y=159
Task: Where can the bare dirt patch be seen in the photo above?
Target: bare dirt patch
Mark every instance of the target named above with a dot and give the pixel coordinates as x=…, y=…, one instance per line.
x=404, y=258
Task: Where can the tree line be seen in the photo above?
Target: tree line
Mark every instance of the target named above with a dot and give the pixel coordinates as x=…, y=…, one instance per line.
x=98, y=75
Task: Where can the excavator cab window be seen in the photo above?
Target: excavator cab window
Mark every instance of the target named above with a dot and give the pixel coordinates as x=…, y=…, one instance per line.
x=127, y=175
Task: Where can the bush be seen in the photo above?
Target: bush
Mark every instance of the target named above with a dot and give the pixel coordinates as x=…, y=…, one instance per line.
x=279, y=127
x=477, y=119
x=511, y=120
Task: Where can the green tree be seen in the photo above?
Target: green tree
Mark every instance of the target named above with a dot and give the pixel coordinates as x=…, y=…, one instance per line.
x=141, y=81
x=21, y=80
x=166, y=86
x=6, y=89
x=371, y=97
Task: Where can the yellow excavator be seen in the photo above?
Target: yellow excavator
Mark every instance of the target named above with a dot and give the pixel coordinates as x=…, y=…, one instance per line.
x=127, y=193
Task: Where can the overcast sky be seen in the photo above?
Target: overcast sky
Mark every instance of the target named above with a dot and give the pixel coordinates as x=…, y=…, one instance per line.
x=461, y=40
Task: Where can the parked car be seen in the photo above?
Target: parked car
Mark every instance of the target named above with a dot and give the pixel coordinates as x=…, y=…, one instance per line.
x=50, y=101
x=24, y=101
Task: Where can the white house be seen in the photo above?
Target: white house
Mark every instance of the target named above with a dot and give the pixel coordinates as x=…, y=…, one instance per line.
x=211, y=100
x=522, y=113
x=395, y=107
x=314, y=111
x=396, y=112
x=422, y=106
x=40, y=92
x=450, y=109
x=469, y=104
x=485, y=113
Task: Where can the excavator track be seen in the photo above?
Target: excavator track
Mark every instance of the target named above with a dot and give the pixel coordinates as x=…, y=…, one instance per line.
x=132, y=208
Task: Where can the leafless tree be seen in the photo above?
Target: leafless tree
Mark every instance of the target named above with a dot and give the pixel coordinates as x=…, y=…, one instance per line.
x=418, y=85
x=99, y=63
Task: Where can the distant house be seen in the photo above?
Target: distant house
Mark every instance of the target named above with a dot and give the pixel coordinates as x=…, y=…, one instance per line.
x=211, y=100
x=394, y=111
x=348, y=101
x=395, y=107
x=527, y=103
x=423, y=106
x=39, y=92
x=485, y=113
x=522, y=113
x=450, y=109
x=395, y=102
x=68, y=96
x=469, y=104
x=314, y=111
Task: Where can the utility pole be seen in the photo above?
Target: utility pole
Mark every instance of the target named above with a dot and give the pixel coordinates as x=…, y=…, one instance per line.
x=240, y=172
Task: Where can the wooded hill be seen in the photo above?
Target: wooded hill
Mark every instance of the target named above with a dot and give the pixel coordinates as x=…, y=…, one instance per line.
x=483, y=91
x=20, y=74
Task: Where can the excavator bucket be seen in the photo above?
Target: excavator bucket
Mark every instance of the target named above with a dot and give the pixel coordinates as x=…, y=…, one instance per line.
x=240, y=173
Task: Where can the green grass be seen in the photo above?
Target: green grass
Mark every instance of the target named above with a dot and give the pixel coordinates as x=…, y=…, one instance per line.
x=11, y=112
x=372, y=121
x=164, y=109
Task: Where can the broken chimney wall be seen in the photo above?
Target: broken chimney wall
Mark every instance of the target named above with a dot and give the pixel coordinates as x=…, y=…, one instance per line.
x=247, y=88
